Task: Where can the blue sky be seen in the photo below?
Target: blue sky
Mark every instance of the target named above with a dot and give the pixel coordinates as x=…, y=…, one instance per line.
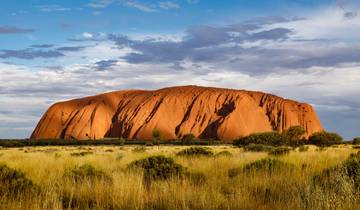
x=58, y=50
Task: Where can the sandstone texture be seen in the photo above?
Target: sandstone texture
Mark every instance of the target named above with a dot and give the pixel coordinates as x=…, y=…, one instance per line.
x=206, y=112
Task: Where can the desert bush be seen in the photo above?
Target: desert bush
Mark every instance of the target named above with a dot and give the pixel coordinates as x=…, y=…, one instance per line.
x=303, y=148
x=121, y=141
x=352, y=168
x=267, y=165
x=224, y=153
x=78, y=154
x=265, y=138
x=188, y=139
x=338, y=185
x=278, y=151
x=87, y=172
x=149, y=144
x=158, y=168
x=156, y=134
x=196, y=151
x=324, y=138
x=109, y=150
x=356, y=140
x=258, y=148
x=294, y=134
x=356, y=147
x=13, y=181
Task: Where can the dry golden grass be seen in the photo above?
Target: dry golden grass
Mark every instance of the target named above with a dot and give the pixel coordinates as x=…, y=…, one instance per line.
x=286, y=189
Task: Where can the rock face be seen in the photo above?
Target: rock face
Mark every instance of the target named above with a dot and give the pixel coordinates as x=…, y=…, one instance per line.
x=203, y=111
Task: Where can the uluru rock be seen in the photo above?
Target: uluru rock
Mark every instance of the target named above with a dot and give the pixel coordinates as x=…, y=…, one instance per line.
x=205, y=112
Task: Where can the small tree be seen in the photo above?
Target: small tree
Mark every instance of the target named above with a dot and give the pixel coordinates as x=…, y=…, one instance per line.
x=324, y=138
x=356, y=140
x=121, y=141
x=188, y=139
x=156, y=134
x=294, y=134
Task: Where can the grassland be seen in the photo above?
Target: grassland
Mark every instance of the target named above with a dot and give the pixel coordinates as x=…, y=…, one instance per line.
x=288, y=187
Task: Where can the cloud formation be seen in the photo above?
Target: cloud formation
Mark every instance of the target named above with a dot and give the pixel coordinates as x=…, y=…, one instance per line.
x=14, y=30
x=152, y=6
x=283, y=56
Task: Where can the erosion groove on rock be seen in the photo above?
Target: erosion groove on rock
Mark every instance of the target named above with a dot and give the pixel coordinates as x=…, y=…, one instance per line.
x=205, y=112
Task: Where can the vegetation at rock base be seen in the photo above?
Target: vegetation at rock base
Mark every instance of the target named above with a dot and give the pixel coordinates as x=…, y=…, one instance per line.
x=356, y=141
x=188, y=139
x=265, y=138
x=311, y=179
x=325, y=138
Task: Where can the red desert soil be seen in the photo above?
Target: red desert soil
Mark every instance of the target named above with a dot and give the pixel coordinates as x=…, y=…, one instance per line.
x=205, y=112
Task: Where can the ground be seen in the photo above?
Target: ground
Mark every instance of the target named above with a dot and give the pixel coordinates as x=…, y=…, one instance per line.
x=287, y=187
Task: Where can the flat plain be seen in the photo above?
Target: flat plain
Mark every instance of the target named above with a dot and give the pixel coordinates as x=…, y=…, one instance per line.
x=220, y=182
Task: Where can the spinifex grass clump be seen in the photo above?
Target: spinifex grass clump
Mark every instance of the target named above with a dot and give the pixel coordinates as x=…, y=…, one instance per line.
x=13, y=181
x=196, y=151
x=158, y=168
x=224, y=153
x=267, y=165
x=87, y=172
x=303, y=148
x=278, y=151
x=258, y=148
x=336, y=185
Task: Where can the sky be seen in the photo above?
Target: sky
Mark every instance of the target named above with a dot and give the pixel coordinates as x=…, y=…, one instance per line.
x=57, y=50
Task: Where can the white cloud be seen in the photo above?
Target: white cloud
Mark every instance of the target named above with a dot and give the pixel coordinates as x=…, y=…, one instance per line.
x=87, y=35
x=168, y=5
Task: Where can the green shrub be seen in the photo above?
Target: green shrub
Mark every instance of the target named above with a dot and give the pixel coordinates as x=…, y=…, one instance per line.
x=258, y=148
x=13, y=181
x=156, y=134
x=303, y=148
x=265, y=138
x=352, y=168
x=87, y=172
x=149, y=144
x=188, y=139
x=158, y=168
x=341, y=182
x=224, y=154
x=294, y=134
x=196, y=151
x=356, y=140
x=356, y=147
x=278, y=151
x=324, y=138
x=121, y=141
x=268, y=165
